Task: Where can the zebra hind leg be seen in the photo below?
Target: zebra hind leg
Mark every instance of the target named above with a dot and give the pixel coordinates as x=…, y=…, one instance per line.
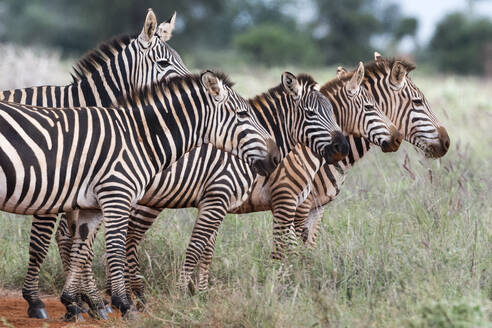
x=41, y=231
x=85, y=223
x=89, y=291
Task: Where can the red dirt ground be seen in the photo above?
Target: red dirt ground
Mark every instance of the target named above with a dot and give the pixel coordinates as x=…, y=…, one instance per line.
x=13, y=309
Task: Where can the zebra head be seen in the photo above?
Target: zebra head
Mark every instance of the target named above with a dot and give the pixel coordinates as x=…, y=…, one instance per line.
x=154, y=60
x=313, y=118
x=358, y=113
x=406, y=106
x=235, y=126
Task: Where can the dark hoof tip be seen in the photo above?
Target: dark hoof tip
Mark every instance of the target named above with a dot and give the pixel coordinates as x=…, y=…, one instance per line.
x=38, y=313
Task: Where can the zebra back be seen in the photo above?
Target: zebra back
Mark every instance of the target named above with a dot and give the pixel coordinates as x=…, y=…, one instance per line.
x=112, y=70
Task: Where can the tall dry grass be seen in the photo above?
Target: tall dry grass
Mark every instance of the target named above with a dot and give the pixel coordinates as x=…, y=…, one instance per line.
x=408, y=242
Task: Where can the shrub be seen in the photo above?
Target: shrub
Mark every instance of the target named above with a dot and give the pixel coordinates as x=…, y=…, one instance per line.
x=276, y=45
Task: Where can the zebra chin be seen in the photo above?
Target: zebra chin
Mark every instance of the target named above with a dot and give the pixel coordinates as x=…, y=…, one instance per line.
x=265, y=165
x=394, y=142
x=440, y=148
x=337, y=150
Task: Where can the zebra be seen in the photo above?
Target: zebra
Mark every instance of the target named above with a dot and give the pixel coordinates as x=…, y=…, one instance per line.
x=111, y=71
x=60, y=160
x=405, y=104
x=215, y=182
x=184, y=183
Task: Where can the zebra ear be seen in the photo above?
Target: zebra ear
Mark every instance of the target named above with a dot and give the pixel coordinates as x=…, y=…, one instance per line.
x=354, y=83
x=341, y=71
x=377, y=56
x=165, y=30
x=290, y=84
x=149, y=27
x=213, y=85
x=398, y=73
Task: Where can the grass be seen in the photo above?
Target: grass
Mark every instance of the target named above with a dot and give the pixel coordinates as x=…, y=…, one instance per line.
x=399, y=247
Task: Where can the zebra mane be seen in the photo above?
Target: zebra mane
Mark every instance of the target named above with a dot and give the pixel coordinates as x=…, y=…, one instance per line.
x=149, y=92
x=220, y=75
x=93, y=59
x=303, y=78
x=337, y=82
x=377, y=65
x=371, y=66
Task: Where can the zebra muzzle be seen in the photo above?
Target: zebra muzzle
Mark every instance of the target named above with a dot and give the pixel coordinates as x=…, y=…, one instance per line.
x=337, y=150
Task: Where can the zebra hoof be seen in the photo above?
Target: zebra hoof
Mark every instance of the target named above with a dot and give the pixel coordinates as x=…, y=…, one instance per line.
x=99, y=314
x=141, y=305
x=109, y=309
x=38, y=313
x=73, y=317
x=131, y=314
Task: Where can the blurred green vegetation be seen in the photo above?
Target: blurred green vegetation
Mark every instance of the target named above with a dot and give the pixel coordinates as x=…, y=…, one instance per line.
x=261, y=32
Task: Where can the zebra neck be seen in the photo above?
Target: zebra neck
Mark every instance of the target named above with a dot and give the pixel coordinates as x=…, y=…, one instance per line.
x=273, y=110
x=358, y=147
x=164, y=132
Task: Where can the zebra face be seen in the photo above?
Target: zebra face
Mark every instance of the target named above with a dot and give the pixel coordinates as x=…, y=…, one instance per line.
x=362, y=116
x=406, y=106
x=314, y=119
x=155, y=60
x=235, y=126
x=423, y=129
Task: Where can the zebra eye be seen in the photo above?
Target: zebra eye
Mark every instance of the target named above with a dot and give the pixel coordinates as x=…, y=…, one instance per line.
x=311, y=114
x=163, y=63
x=418, y=101
x=243, y=114
x=368, y=107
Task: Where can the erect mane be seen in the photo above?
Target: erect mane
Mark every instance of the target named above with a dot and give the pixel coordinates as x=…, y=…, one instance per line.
x=93, y=59
x=156, y=87
x=376, y=65
x=369, y=67
x=303, y=78
x=337, y=82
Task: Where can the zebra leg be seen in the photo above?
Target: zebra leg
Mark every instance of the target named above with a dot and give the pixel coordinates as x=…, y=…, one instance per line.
x=63, y=238
x=85, y=223
x=89, y=291
x=283, y=232
x=311, y=226
x=204, y=266
x=211, y=212
x=41, y=231
x=116, y=217
x=300, y=219
x=141, y=219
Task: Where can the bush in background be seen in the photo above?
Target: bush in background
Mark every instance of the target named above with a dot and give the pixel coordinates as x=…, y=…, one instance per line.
x=277, y=45
x=462, y=44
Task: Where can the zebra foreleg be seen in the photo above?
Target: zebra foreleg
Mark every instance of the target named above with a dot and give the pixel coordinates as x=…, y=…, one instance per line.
x=40, y=237
x=211, y=212
x=141, y=219
x=116, y=216
x=204, y=266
